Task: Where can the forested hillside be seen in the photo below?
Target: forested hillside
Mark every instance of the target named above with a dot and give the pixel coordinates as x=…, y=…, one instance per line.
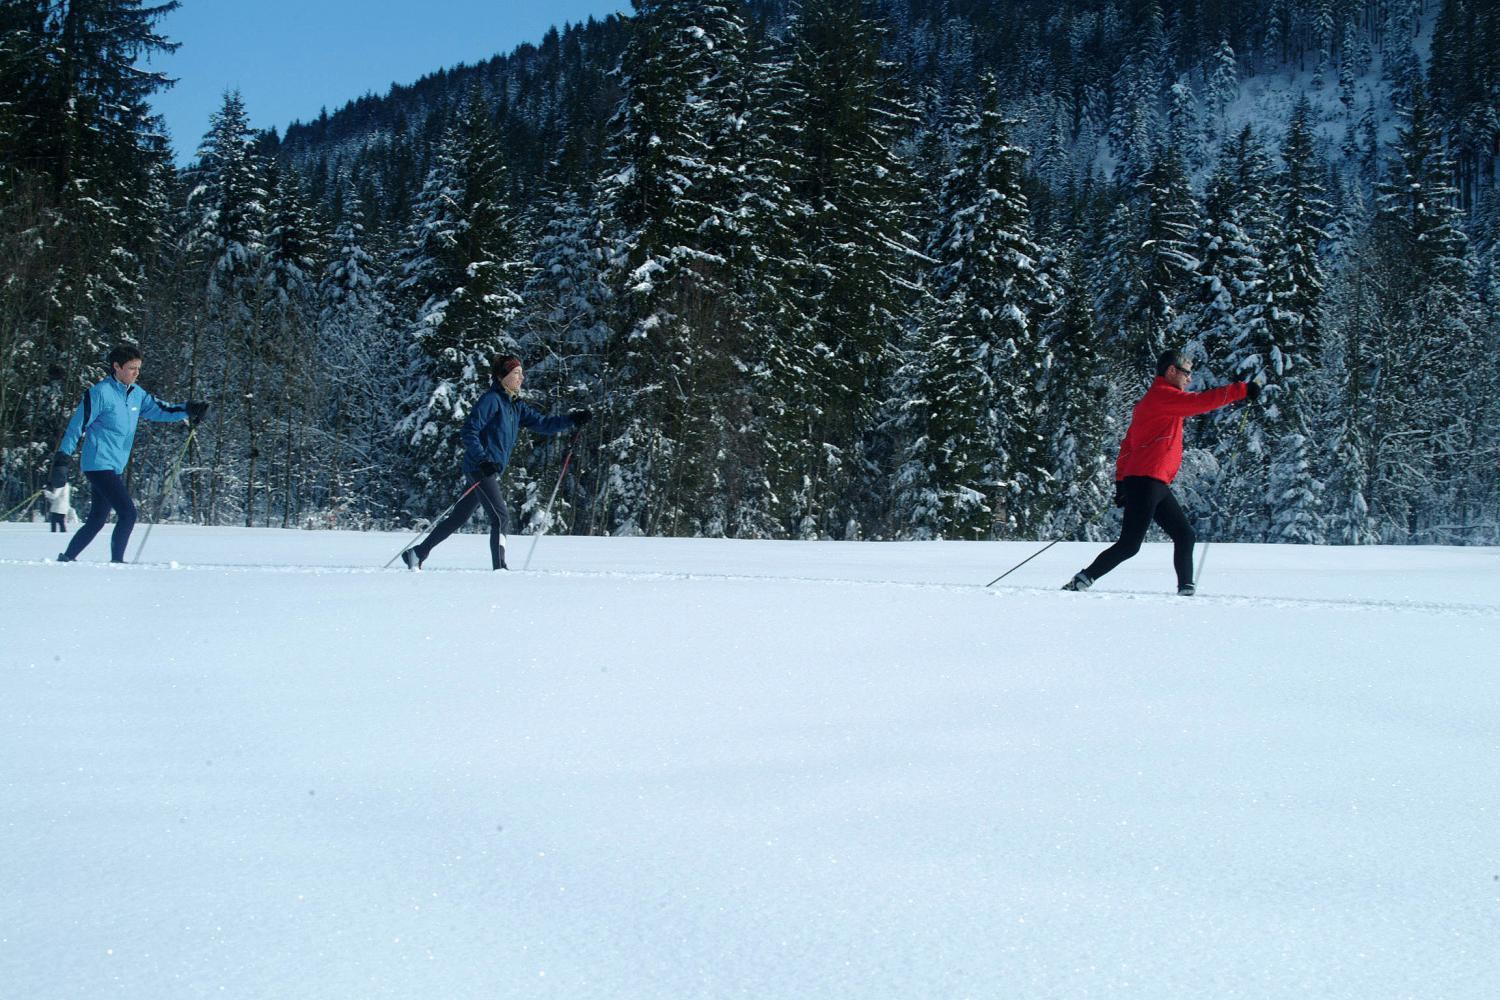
x=843, y=268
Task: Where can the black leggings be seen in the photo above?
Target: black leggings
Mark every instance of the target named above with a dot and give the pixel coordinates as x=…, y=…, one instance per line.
x=486, y=492
x=109, y=493
x=1147, y=499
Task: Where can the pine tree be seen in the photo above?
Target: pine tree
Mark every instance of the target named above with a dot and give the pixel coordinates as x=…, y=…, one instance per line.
x=80, y=152
x=224, y=359
x=287, y=314
x=1421, y=420
x=987, y=357
x=1223, y=85
x=1148, y=264
x=674, y=350
x=361, y=372
x=1294, y=328
x=859, y=196
x=1075, y=418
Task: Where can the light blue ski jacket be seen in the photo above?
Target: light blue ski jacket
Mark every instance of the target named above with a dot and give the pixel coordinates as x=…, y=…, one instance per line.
x=106, y=420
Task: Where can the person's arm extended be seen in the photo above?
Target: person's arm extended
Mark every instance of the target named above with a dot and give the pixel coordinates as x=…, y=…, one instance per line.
x=162, y=413
x=538, y=424
x=1187, y=404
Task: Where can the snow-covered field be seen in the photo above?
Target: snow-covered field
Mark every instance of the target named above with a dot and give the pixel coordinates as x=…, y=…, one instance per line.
x=260, y=767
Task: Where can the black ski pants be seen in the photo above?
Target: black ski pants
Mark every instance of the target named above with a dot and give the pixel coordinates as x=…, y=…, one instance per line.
x=486, y=492
x=109, y=494
x=59, y=522
x=1148, y=499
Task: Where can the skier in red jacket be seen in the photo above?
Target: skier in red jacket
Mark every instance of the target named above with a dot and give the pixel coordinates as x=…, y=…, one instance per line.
x=1149, y=459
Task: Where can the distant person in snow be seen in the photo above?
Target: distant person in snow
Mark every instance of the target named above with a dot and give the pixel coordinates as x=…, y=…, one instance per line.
x=489, y=435
x=1149, y=459
x=105, y=422
x=57, y=507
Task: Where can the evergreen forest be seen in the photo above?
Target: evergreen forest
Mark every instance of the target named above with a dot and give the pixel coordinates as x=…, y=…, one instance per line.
x=844, y=269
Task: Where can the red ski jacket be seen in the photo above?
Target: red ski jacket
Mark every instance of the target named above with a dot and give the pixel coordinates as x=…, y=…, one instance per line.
x=1153, y=444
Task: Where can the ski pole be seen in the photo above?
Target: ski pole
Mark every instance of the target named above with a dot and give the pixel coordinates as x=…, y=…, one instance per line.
x=547, y=514
x=1044, y=548
x=20, y=505
x=1203, y=555
x=432, y=524
x=166, y=489
x=1023, y=562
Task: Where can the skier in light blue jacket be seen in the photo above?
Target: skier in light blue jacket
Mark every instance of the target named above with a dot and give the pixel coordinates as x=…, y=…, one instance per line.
x=105, y=422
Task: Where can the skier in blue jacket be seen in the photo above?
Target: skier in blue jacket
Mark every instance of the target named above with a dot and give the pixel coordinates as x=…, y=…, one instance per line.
x=489, y=435
x=105, y=421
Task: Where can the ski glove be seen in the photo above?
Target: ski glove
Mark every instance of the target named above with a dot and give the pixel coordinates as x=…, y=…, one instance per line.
x=196, y=412
x=488, y=468
x=1252, y=391
x=1119, y=493
x=58, y=477
x=581, y=417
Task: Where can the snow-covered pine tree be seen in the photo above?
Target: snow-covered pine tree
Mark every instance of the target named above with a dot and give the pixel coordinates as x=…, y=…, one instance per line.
x=987, y=358
x=671, y=355
x=1075, y=418
x=1158, y=236
x=1183, y=125
x=859, y=196
x=287, y=314
x=1135, y=114
x=1294, y=330
x=916, y=509
x=769, y=328
x=361, y=367
x=1347, y=375
x=224, y=359
x=1223, y=86
x=1422, y=422
x=80, y=155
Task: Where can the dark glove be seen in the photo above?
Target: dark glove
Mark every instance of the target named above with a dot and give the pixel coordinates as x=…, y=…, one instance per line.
x=1119, y=493
x=488, y=468
x=58, y=477
x=581, y=417
x=196, y=412
x=1252, y=391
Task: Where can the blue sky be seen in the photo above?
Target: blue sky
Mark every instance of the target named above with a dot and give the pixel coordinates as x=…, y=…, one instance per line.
x=292, y=58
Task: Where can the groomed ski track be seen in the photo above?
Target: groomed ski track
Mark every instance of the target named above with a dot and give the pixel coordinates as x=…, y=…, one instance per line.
x=999, y=589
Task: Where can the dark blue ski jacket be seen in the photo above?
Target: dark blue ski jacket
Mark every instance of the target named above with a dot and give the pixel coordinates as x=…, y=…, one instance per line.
x=106, y=421
x=490, y=431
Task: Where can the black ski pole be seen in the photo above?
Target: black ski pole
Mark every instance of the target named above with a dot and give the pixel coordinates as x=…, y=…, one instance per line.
x=547, y=514
x=1023, y=562
x=166, y=491
x=432, y=524
x=1044, y=548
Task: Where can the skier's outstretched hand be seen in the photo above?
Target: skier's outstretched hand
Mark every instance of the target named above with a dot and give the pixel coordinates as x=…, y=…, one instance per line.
x=581, y=417
x=196, y=412
x=1252, y=390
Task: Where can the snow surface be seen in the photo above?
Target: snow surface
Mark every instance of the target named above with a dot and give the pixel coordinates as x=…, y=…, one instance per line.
x=260, y=767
